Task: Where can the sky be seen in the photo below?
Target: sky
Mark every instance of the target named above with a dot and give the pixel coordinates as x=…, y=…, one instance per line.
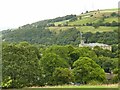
x=15, y=13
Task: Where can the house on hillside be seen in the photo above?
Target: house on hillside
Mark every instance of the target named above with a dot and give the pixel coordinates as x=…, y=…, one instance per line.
x=92, y=45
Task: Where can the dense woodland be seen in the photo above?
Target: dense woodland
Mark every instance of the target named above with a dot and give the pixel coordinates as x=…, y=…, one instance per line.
x=33, y=65
x=35, y=55
x=71, y=36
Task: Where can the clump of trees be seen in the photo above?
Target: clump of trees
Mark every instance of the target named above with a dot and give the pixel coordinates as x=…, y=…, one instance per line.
x=104, y=37
x=26, y=65
x=67, y=17
x=71, y=36
x=20, y=65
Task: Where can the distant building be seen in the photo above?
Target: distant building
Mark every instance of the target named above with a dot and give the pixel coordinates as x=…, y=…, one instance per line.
x=92, y=45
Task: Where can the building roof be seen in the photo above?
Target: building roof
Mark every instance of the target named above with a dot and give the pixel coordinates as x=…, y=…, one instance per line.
x=95, y=44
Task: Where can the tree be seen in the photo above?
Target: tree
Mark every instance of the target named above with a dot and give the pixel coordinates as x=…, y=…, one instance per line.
x=108, y=24
x=62, y=51
x=86, y=11
x=114, y=23
x=20, y=65
x=107, y=63
x=59, y=25
x=49, y=62
x=62, y=76
x=85, y=70
x=73, y=19
x=113, y=14
x=96, y=25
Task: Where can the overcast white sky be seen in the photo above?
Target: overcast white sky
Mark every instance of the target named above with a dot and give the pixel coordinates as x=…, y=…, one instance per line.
x=14, y=13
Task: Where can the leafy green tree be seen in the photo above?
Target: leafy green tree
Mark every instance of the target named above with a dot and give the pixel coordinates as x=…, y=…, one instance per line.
x=62, y=76
x=20, y=65
x=114, y=23
x=113, y=14
x=103, y=52
x=107, y=63
x=85, y=70
x=49, y=62
x=96, y=25
x=87, y=11
x=116, y=77
x=64, y=52
x=70, y=36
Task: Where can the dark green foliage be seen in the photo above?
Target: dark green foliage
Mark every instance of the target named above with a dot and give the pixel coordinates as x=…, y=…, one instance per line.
x=73, y=19
x=114, y=14
x=70, y=36
x=107, y=24
x=38, y=35
x=105, y=37
x=115, y=79
x=43, y=36
x=86, y=11
x=96, y=25
x=50, y=25
x=67, y=17
x=63, y=51
x=49, y=62
x=24, y=65
x=103, y=52
x=62, y=76
x=114, y=23
x=107, y=63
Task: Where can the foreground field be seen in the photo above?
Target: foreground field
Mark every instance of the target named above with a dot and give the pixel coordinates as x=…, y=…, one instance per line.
x=81, y=86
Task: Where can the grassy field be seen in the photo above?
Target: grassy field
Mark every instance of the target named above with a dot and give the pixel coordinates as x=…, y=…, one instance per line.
x=111, y=19
x=73, y=87
x=110, y=10
x=61, y=22
x=93, y=20
x=84, y=29
x=93, y=30
x=97, y=15
x=84, y=21
x=86, y=18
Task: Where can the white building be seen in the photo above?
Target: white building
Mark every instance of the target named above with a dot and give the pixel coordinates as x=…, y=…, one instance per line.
x=92, y=45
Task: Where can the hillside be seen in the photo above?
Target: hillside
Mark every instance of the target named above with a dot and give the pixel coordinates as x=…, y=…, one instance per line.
x=84, y=21
x=66, y=30
x=46, y=54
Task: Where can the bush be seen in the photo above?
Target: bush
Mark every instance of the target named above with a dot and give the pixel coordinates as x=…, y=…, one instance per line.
x=94, y=82
x=115, y=79
x=113, y=14
x=96, y=25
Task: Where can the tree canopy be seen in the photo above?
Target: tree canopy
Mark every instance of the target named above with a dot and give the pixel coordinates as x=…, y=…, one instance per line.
x=85, y=70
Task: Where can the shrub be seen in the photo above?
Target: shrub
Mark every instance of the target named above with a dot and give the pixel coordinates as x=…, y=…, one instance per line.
x=94, y=82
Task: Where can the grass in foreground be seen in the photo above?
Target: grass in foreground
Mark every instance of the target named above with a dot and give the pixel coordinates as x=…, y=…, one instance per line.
x=73, y=87
x=81, y=86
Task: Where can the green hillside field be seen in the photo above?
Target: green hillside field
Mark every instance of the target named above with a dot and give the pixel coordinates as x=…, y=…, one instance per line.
x=96, y=17
x=84, y=29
